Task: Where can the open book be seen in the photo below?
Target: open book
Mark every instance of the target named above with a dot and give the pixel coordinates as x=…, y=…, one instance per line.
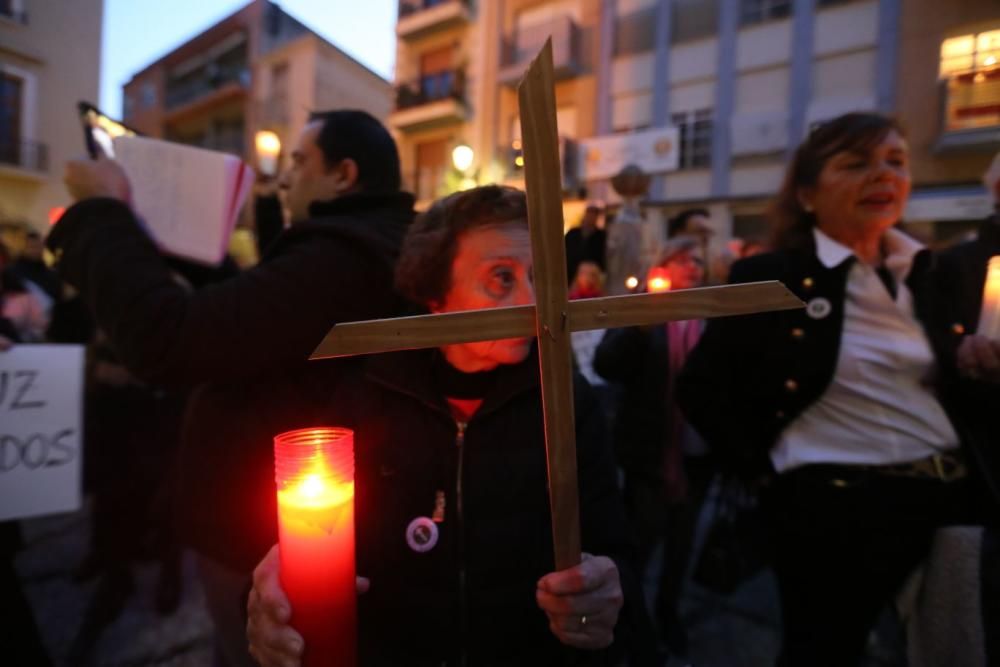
x=188, y=198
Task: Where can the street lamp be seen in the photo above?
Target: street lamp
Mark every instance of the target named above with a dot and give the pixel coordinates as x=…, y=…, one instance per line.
x=268, y=149
x=462, y=157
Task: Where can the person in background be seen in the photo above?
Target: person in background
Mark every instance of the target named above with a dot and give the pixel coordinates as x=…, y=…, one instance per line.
x=31, y=268
x=18, y=305
x=242, y=344
x=852, y=411
x=694, y=223
x=586, y=242
x=663, y=459
x=470, y=250
x=588, y=282
x=968, y=262
x=21, y=642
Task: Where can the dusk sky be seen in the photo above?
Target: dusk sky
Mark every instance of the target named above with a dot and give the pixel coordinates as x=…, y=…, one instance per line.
x=138, y=33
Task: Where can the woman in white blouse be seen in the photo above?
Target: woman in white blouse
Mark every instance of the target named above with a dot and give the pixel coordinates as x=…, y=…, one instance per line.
x=853, y=408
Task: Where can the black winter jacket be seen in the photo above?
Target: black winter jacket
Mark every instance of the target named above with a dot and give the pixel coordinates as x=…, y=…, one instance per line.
x=473, y=594
x=243, y=342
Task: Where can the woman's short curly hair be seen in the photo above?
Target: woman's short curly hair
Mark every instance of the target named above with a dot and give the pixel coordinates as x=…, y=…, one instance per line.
x=423, y=273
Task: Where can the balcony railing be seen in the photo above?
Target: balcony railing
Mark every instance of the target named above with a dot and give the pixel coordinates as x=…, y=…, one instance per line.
x=31, y=155
x=520, y=48
x=183, y=92
x=449, y=84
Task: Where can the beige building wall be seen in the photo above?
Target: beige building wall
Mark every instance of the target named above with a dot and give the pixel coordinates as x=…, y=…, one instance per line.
x=58, y=72
x=463, y=39
x=920, y=92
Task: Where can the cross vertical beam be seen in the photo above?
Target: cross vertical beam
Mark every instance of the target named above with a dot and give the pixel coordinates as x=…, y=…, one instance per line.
x=543, y=177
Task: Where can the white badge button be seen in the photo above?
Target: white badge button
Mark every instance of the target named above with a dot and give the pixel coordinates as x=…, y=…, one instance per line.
x=422, y=534
x=819, y=308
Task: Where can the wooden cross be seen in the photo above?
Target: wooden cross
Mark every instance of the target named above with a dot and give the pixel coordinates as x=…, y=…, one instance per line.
x=553, y=317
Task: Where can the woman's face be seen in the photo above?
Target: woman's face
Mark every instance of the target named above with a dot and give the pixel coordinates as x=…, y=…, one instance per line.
x=492, y=269
x=685, y=271
x=862, y=191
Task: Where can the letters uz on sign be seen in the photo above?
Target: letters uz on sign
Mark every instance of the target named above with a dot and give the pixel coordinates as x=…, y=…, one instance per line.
x=41, y=439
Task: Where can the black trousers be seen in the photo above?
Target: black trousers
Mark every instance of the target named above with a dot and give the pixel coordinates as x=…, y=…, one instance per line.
x=846, y=539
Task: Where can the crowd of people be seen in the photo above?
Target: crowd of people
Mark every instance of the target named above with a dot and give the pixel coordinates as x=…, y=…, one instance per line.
x=857, y=430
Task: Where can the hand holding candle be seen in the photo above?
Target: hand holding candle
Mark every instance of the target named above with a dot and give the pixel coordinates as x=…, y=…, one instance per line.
x=314, y=471
x=273, y=642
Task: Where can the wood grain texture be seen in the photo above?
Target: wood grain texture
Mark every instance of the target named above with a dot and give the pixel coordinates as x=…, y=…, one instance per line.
x=410, y=333
x=691, y=304
x=543, y=180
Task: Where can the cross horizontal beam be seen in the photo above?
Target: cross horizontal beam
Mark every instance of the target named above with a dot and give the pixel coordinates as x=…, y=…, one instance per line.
x=422, y=331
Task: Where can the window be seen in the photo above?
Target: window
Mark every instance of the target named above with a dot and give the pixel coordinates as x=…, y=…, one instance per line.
x=11, y=99
x=970, y=69
x=432, y=162
x=758, y=11
x=147, y=95
x=693, y=19
x=635, y=32
x=695, y=138
x=437, y=74
x=13, y=10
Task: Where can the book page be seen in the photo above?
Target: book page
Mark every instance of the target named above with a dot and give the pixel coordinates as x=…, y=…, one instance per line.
x=182, y=193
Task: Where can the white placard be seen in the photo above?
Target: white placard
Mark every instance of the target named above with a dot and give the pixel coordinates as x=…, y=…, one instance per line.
x=656, y=151
x=41, y=438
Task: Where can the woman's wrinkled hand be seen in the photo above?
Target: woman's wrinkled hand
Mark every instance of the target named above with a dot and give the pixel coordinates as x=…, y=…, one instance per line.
x=583, y=602
x=273, y=642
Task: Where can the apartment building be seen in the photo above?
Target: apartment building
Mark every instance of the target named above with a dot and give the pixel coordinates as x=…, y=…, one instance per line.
x=710, y=97
x=257, y=69
x=42, y=77
x=948, y=91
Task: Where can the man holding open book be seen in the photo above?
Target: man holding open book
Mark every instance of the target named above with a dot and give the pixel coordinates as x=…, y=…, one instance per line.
x=244, y=342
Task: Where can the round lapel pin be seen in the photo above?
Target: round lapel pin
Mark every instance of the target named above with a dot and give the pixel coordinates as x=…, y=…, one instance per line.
x=819, y=308
x=422, y=534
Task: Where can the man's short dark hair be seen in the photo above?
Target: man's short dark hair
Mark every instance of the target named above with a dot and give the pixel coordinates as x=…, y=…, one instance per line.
x=680, y=221
x=355, y=134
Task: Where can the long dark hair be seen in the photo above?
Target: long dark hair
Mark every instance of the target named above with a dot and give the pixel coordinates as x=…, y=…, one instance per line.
x=791, y=224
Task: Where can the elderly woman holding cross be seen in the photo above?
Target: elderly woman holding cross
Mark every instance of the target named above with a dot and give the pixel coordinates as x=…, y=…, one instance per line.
x=453, y=532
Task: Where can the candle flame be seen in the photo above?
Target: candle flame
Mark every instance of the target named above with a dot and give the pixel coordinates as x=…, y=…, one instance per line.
x=631, y=282
x=312, y=486
x=659, y=284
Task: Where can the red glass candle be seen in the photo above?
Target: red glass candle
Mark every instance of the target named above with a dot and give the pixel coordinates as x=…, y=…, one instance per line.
x=314, y=471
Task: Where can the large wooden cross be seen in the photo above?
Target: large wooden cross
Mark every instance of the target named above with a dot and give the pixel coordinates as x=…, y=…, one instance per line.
x=553, y=317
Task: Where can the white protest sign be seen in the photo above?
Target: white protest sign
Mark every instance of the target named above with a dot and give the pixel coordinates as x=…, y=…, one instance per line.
x=41, y=437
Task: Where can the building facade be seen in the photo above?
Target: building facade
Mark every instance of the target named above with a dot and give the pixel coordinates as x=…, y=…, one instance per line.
x=948, y=92
x=709, y=96
x=258, y=69
x=42, y=77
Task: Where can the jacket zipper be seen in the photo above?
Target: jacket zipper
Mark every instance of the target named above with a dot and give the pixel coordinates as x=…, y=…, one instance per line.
x=463, y=606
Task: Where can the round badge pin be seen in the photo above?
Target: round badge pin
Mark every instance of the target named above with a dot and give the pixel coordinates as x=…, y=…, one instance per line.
x=422, y=534
x=819, y=308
